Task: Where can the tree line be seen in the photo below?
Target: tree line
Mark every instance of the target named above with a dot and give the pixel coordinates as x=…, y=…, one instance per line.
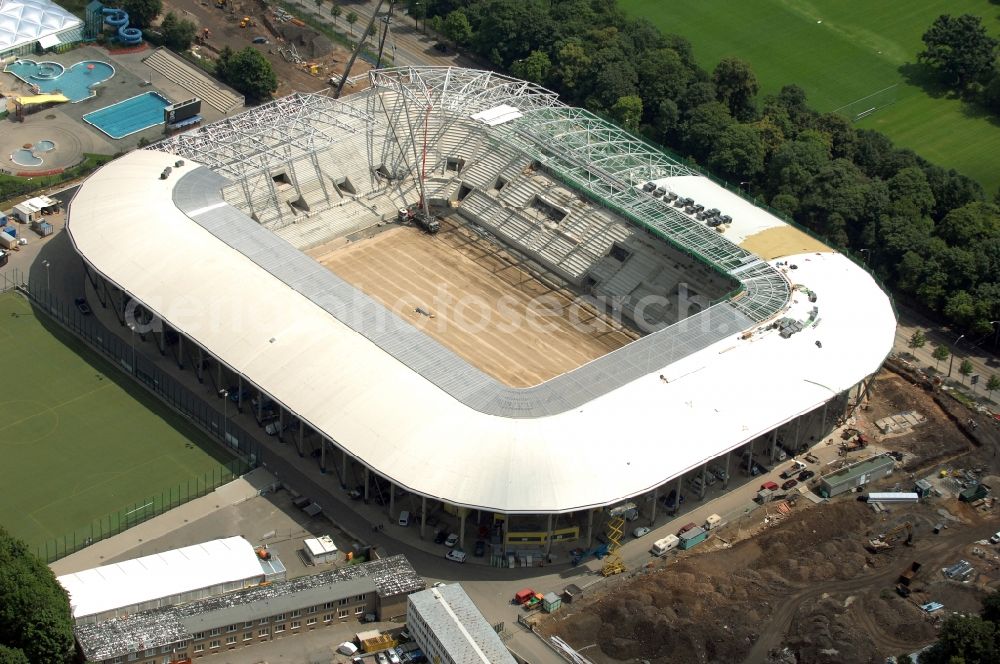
x=930, y=233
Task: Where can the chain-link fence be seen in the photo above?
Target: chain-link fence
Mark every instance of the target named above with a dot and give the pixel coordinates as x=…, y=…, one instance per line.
x=192, y=406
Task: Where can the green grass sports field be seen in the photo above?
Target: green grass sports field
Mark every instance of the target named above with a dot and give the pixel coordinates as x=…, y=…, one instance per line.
x=840, y=52
x=77, y=440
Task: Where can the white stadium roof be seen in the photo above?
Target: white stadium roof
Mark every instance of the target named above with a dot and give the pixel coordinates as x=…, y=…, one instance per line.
x=25, y=21
x=613, y=445
x=150, y=578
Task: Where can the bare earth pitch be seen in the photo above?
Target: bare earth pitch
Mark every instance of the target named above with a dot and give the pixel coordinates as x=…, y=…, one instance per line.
x=476, y=301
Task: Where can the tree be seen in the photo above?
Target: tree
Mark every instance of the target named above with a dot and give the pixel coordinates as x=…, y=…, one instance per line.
x=967, y=639
x=991, y=603
x=141, y=13
x=35, y=618
x=627, y=112
x=736, y=86
x=917, y=340
x=965, y=368
x=457, y=28
x=335, y=12
x=536, y=67
x=739, y=153
x=940, y=353
x=372, y=31
x=960, y=49
x=992, y=385
x=247, y=71
x=352, y=18
x=178, y=33
x=319, y=4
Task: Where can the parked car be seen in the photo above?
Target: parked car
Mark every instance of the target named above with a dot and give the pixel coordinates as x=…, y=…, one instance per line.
x=456, y=556
x=480, y=550
x=806, y=475
x=451, y=541
x=640, y=531
x=789, y=473
x=393, y=657
x=357, y=493
x=440, y=536
x=381, y=658
x=686, y=527
x=260, y=40
x=789, y=484
x=995, y=539
x=769, y=486
x=82, y=306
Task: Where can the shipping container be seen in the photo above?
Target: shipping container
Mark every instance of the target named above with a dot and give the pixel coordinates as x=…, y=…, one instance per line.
x=44, y=229
x=7, y=241
x=692, y=537
x=9, y=230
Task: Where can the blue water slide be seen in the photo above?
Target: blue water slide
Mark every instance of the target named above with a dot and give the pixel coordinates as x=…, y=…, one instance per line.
x=118, y=18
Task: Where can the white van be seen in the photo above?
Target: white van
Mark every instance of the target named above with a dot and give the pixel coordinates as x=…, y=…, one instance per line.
x=662, y=546
x=404, y=518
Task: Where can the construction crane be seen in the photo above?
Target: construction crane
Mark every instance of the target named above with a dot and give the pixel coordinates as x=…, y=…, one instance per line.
x=613, y=563
x=357, y=49
x=886, y=541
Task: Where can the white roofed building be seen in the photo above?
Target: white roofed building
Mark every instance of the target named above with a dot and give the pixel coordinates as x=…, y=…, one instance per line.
x=450, y=629
x=162, y=579
x=29, y=25
x=784, y=328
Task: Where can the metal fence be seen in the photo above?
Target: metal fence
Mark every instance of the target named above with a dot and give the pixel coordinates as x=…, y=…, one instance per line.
x=140, y=511
x=194, y=407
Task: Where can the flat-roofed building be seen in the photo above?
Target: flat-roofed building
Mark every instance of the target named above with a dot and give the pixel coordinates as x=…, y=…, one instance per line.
x=451, y=630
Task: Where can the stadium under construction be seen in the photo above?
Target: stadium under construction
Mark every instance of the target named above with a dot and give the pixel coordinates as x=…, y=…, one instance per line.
x=463, y=294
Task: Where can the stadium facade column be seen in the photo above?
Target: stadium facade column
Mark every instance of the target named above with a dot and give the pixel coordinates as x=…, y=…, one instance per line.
x=180, y=351
x=161, y=338
x=281, y=423
x=200, y=371
x=218, y=365
x=423, y=516
x=677, y=496
x=798, y=426
x=367, y=492
x=750, y=458
x=302, y=433
x=239, y=393
x=590, y=527
x=822, y=425
x=322, y=454
x=704, y=473
x=461, y=527
x=260, y=408
x=652, y=510
x=774, y=444
x=725, y=482
x=548, y=536
x=392, y=499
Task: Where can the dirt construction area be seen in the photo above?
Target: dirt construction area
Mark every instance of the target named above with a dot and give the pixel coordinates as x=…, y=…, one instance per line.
x=801, y=583
x=315, y=57
x=471, y=297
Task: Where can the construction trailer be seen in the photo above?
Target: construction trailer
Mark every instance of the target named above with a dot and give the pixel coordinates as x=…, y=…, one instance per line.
x=855, y=475
x=974, y=493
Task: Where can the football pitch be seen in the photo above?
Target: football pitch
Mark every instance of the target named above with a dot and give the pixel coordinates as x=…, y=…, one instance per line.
x=840, y=52
x=77, y=439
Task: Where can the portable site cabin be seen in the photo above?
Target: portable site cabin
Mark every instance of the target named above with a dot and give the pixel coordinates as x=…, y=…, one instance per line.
x=551, y=602
x=7, y=241
x=974, y=492
x=34, y=208
x=662, y=546
x=856, y=475
x=320, y=550
x=712, y=522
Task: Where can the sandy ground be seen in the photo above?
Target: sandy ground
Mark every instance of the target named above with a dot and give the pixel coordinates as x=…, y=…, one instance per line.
x=781, y=241
x=492, y=314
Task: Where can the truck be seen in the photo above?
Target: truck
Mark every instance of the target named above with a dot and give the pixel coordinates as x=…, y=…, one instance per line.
x=427, y=222
x=663, y=546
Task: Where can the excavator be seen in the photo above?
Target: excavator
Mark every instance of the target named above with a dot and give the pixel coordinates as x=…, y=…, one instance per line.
x=887, y=541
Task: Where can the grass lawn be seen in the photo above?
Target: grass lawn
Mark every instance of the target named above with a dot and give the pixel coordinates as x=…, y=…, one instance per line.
x=840, y=52
x=77, y=440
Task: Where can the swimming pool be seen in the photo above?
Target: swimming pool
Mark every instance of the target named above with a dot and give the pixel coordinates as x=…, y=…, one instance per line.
x=129, y=116
x=76, y=83
x=25, y=157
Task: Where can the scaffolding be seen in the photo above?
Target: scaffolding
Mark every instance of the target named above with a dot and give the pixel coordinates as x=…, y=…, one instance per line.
x=613, y=563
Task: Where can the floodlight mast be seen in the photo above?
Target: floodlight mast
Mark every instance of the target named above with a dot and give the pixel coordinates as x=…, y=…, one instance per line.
x=357, y=49
x=423, y=166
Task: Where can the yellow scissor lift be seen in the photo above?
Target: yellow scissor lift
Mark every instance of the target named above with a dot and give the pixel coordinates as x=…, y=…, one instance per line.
x=613, y=563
